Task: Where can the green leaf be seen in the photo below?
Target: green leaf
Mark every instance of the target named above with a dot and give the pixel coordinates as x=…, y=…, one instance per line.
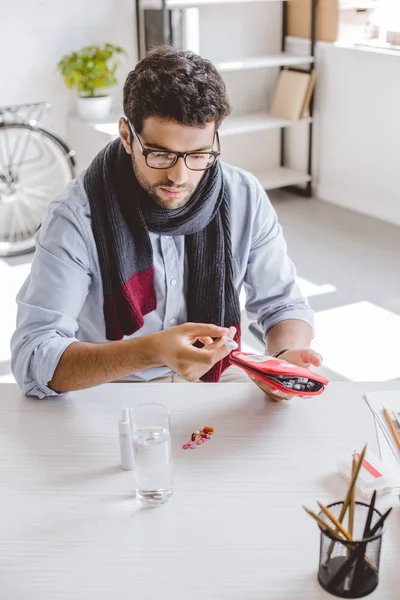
x=93, y=67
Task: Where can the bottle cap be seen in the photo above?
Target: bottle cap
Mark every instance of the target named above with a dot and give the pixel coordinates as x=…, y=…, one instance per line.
x=124, y=425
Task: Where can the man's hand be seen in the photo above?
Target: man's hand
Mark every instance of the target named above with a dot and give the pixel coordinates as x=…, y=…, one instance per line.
x=174, y=348
x=302, y=358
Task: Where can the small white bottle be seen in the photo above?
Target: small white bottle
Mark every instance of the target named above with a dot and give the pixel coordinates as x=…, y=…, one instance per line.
x=125, y=441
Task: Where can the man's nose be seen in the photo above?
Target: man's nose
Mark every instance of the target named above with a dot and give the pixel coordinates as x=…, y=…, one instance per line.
x=178, y=174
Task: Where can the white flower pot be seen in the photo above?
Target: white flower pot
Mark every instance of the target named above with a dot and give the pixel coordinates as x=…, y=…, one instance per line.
x=94, y=108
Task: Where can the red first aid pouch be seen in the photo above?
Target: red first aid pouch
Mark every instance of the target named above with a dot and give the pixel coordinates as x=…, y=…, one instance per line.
x=279, y=374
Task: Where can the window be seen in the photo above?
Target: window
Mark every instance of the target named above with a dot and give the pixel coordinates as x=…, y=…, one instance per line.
x=386, y=23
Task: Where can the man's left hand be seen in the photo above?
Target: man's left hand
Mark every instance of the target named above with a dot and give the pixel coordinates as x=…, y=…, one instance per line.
x=302, y=358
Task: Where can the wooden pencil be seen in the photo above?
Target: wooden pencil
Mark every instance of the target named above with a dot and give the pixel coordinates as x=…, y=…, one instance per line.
x=322, y=523
x=339, y=527
x=391, y=427
x=336, y=523
x=348, y=495
x=352, y=498
x=352, y=483
x=326, y=527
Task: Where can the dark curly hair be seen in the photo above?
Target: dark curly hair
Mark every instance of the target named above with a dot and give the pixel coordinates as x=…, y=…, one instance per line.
x=176, y=85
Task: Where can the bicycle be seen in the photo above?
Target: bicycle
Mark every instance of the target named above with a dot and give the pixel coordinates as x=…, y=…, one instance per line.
x=35, y=166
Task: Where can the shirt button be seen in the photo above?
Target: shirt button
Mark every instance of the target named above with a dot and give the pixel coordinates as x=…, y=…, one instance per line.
x=173, y=282
x=172, y=321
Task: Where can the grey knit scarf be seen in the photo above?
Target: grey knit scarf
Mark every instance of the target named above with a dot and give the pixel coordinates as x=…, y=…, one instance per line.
x=122, y=216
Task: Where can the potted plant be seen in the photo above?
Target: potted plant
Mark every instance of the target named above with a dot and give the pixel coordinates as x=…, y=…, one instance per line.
x=90, y=72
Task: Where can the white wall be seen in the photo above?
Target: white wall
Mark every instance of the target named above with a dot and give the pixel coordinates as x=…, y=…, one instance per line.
x=34, y=34
x=358, y=131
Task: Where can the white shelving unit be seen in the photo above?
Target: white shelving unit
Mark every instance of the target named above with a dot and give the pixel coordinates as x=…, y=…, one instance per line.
x=255, y=122
x=197, y=3
x=281, y=177
x=235, y=125
x=263, y=62
x=248, y=130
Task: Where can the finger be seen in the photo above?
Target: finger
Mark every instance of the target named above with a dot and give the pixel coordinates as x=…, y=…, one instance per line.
x=311, y=357
x=218, y=347
x=275, y=395
x=302, y=358
x=205, y=340
x=210, y=354
x=204, y=330
x=232, y=332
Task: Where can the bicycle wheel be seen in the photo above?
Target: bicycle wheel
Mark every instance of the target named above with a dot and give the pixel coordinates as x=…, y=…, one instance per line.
x=35, y=166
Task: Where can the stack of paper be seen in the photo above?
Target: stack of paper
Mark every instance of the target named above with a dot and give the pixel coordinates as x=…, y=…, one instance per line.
x=390, y=454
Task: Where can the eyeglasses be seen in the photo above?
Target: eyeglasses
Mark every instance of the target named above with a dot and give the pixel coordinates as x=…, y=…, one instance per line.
x=165, y=159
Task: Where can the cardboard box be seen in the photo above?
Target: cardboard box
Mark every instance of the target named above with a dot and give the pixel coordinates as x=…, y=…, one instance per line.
x=293, y=94
x=299, y=19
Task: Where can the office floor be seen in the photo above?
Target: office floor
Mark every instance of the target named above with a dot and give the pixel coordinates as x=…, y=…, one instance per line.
x=348, y=265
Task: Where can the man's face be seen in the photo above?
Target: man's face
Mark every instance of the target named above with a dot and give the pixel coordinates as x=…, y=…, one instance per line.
x=173, y=187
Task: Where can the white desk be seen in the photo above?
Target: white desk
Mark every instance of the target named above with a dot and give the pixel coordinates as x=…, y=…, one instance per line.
x=235, y=529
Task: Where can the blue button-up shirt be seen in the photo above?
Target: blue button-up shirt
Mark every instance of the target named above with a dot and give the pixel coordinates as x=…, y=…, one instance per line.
x=61, y=301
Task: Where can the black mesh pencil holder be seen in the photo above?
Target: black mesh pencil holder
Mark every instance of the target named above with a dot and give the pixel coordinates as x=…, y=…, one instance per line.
x=350, y=569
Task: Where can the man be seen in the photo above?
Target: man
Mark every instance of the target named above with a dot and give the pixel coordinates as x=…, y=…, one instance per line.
x=139, y=263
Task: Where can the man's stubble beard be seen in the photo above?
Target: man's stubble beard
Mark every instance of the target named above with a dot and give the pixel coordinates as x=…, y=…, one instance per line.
x=151, y=190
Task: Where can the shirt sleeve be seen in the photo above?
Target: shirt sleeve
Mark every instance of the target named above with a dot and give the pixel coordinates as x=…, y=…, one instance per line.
x=272, y=294
x=50, y=300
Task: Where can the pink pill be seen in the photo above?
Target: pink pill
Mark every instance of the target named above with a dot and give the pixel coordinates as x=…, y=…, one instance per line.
x=185, y=446
x=199, y=442
x=193, y=446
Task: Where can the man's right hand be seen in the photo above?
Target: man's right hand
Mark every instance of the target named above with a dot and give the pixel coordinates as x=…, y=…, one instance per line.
x=174, y=348
x=84, y=364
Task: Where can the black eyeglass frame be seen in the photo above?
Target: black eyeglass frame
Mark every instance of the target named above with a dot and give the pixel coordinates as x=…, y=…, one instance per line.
x=146, y=151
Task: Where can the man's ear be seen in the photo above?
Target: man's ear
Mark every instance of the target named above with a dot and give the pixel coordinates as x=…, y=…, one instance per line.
x=125, y=134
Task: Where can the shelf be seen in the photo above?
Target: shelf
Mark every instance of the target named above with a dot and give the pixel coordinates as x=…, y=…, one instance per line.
x=234, y=125
x=281, y=177
x=359, y=5
x=263, y=62
x=197, y=3
x=110, y=128
x=253, y=122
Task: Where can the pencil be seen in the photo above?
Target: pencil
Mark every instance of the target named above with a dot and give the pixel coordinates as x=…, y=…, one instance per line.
x=336, y=523
x=326, y=527
x=322, y=523
x=379, y=523
x=368, y=522
x=352, y=483
x=348, y=495
x=391, y=427
x=358, y=569
x=352, y=498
